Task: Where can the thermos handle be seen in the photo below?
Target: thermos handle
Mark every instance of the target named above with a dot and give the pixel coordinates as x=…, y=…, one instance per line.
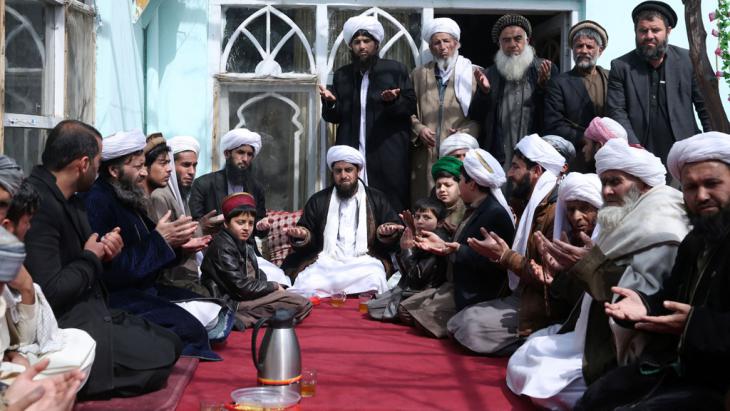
x=254, y=350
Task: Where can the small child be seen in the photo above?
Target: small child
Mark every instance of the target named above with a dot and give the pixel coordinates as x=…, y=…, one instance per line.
x=419, y=269
x=231, y=272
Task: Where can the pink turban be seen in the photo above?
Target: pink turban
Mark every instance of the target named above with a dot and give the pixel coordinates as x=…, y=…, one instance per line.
x=602, y=129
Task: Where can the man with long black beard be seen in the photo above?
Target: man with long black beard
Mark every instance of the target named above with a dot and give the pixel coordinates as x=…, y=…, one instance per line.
x=510, y=100
x=685, y=365
x=342, y=241
x=651, y=89
x=444, y=89
x=575, y=97
x=117, y=200
x=371, y=100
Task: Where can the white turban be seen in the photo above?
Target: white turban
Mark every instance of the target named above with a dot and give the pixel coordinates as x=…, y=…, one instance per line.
x=486, y=171
x=346, y=154
x=440, y=25
x=178, y=144
x=457, y=141
x=541, y=152
x=367, y=23
x=602, y=129
x=712, y=145
x=616, y=154
x=238, y=137
x=580, y=187
x=122, y=143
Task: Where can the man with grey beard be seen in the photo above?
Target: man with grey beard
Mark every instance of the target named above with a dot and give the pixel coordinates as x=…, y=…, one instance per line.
x=575, y=97
x=641, y=225
x=509, y=101
x=651, y=90
x=444, y=88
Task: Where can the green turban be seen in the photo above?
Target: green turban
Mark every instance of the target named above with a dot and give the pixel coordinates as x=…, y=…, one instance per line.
x=451, y=165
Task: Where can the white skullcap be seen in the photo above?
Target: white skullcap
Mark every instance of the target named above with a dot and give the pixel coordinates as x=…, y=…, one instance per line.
x=457, y=141
x=575, y=186
x=122, y=143
x=486, y=171
x=178, y=144
x=367, y=23
x=712, y=145
x=238, y=137
x=541, y=152
x=602, y=129
x=441, y=25
x=616, y=154
x=346, y=154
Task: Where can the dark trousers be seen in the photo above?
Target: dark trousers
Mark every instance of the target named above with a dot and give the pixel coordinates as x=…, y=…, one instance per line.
x=626, y=388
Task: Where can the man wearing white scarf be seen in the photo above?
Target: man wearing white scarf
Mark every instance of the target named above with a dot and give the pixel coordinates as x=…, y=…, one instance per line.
x=342, y=240
x=444, y=89
x=642, y=223
x=495, y=327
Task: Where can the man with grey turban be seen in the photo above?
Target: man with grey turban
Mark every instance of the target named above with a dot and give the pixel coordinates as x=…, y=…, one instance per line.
x=564, y=147
x=11, y=175
x=575, y=97
x=509, y=102
x=444, y=89
x=372, y=100
x=642, y=223
x=687, y=317
x=337, y=246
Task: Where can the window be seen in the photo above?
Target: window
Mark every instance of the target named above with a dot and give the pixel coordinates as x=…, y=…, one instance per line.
x=48, y=72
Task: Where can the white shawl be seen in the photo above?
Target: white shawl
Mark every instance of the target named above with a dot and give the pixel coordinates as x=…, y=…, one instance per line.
x=332, y=226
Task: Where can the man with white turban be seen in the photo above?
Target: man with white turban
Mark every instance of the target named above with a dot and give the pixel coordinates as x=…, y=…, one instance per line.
x=444, y=89
x=509, y=103
x=371, y=100
x=575, y=97
x=641, y=224
x=471, y=278
x=341, y=242
x=239, y=148
x=497, y=326
x=685, y=363
x=457, y=145
x=600, y=130
x=546, y=351
x=117, y=200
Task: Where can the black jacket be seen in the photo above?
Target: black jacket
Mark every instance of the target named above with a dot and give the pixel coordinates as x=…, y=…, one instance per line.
x=70, y=279
x=477, y=279
x=225, y=270
x=420, y=269
x=628, y=97
x=388, y=125
x=485, y=108
x=209, y=190
x=314, y=219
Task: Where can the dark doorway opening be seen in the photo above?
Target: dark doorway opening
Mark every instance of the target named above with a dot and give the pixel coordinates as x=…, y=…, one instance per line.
x=476, y=35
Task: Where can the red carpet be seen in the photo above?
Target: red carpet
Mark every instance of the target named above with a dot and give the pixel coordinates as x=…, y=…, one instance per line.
x=366, y=365
x=163, y=400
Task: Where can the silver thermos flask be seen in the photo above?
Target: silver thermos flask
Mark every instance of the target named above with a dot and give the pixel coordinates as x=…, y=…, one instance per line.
x=278, y=360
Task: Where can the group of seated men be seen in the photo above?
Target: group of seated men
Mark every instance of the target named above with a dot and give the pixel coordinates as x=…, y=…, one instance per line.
x=604, y=289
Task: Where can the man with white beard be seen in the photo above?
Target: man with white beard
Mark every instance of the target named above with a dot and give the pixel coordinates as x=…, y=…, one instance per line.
x=444, y=88
x=575, y=97
x=641, y=225
x=509, y=100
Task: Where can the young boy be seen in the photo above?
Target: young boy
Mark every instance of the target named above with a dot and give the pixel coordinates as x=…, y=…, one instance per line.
x=419, y=269
x=230, y=270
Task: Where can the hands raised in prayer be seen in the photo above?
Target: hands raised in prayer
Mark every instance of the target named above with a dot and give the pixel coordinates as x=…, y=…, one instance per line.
x=543, y=73
x=632, y=308
x=178, y=232
x=389, y=229
x=492, y=246
x=407, y=240
x=211, y=222
x=326, y=94
x=196, y=244
x=432, y=243
x=560, y=255
x=106, y=248
x=54, y=393
x=264, y=225
x=390, y=94
x=540, y=273
x=482, y=80
x=296, y=233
